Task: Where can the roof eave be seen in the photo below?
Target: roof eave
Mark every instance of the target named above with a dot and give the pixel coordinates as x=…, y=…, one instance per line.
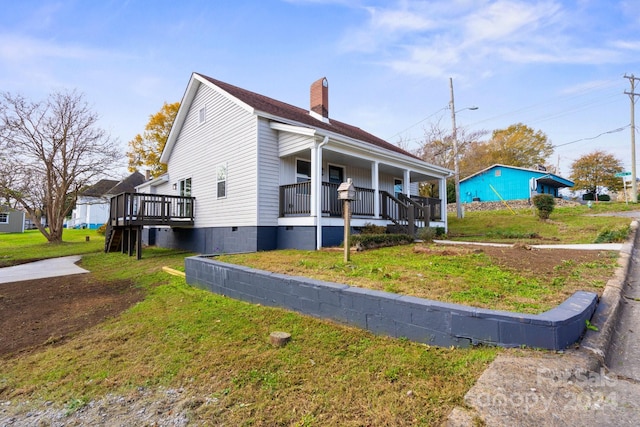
x=301, y=128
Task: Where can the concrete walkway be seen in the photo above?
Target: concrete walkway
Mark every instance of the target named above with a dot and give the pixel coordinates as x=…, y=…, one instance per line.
x=53, y=267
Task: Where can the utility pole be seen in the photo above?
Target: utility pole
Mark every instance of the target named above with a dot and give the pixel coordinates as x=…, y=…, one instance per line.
x=632, y=95
x=456, y=166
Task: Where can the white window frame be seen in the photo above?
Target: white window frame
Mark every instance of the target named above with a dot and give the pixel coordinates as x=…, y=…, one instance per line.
x=185, y=187
x=299, y=175
x=202, y=115
x=222, y=177
x=333, y=165
x=4, y=215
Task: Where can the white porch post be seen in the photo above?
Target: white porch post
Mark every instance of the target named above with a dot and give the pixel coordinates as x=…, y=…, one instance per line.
x=314, y=181
x=375, y=179
x=316, y=184
x=442, y=190
x=407, y=183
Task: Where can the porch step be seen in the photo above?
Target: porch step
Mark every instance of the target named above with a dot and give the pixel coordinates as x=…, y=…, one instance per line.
x=114, y=240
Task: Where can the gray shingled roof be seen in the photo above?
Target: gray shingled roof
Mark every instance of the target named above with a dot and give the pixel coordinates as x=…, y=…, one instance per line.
x=100, y=188
x=286, y=111
x=111, y=187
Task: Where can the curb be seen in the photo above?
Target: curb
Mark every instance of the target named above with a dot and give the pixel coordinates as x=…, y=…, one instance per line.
x=594, y=347
x=595, y=344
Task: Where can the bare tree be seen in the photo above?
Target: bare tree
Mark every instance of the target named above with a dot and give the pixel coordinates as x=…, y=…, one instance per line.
x=437, y=147
x=50, y=149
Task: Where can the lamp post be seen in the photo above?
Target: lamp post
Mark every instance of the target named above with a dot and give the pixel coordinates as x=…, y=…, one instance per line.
x=456, y=166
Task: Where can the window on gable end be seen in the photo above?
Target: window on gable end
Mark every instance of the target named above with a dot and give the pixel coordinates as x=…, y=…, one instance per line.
x=221, y=176
x=202, y=115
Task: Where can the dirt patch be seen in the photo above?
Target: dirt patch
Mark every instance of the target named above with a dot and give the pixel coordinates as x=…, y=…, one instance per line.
x=35, y=313
x=521, y=258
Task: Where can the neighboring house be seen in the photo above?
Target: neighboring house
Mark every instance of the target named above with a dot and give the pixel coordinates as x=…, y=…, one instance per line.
x=11, y=220
x=92, y=206
x=249, y=173
x=509, y=183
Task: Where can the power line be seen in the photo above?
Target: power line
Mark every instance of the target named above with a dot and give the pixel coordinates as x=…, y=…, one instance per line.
x=416, y=124
x=620, y=129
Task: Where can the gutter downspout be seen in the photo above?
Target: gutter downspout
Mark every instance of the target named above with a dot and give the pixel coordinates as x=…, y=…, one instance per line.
x=318, y=184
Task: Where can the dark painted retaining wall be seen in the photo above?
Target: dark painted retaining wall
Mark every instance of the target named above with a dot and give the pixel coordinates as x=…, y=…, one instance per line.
x=417, y=319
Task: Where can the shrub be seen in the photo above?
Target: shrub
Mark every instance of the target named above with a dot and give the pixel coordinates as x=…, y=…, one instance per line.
x=427, y=234
x=370, y=228
x=371, y=241
x=599, y=197
x=545, y=204
x=102, y=229
x=613, y=236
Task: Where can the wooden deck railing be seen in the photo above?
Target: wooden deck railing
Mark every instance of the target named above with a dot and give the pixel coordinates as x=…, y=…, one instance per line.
x=129, y=209
x=295, y=199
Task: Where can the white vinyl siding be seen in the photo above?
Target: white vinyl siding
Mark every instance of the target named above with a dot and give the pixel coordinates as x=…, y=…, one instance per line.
x=291, y=143
x=228, y=136
x=269, y=172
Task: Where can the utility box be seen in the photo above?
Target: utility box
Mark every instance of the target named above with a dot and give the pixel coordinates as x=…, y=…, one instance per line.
x=346, y=191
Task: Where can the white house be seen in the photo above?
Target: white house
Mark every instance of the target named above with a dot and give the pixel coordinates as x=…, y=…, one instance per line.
x=92, y=206
x=264, y=175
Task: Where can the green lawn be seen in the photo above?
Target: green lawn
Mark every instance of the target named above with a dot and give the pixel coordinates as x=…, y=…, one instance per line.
x=32, y=245
x=566, y=225
x=217, y=349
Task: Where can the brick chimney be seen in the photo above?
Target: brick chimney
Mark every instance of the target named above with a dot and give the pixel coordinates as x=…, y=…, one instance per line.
x=320, y=99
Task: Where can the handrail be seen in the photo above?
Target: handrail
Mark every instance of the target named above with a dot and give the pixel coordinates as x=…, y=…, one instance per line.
x=421, y=212
x=151, y=209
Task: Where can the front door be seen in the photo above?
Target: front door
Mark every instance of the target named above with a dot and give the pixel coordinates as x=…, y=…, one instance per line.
x=397, y=187
x=185, y=191
x=336, y=177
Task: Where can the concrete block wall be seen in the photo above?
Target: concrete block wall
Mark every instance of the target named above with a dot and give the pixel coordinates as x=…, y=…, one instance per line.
x=417, y=319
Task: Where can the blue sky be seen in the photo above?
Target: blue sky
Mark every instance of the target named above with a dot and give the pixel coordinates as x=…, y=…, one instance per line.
x=556, y=66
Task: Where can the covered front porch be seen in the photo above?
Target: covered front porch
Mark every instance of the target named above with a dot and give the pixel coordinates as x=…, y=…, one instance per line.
x=387, y=184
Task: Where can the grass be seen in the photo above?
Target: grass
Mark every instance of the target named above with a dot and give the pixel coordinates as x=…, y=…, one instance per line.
x=565, y=225
x=32, y=245
x=217, y=349
x=442, y=273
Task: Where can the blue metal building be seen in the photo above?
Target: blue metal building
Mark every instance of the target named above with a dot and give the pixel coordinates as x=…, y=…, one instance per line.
x=509, y=183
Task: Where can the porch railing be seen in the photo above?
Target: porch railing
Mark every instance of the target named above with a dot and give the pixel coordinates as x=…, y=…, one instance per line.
x=295, y=199
x=129, y=209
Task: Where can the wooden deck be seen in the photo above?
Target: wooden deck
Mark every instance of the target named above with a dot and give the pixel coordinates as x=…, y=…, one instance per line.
x=130, y=212
x=138, y=209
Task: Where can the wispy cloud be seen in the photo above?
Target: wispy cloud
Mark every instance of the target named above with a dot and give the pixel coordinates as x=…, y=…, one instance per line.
x=438, y=38
x=17, y=48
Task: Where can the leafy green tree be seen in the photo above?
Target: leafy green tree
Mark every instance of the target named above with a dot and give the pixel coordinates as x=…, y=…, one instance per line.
x=146, y=149
x=595, y=172
x=518, y=145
